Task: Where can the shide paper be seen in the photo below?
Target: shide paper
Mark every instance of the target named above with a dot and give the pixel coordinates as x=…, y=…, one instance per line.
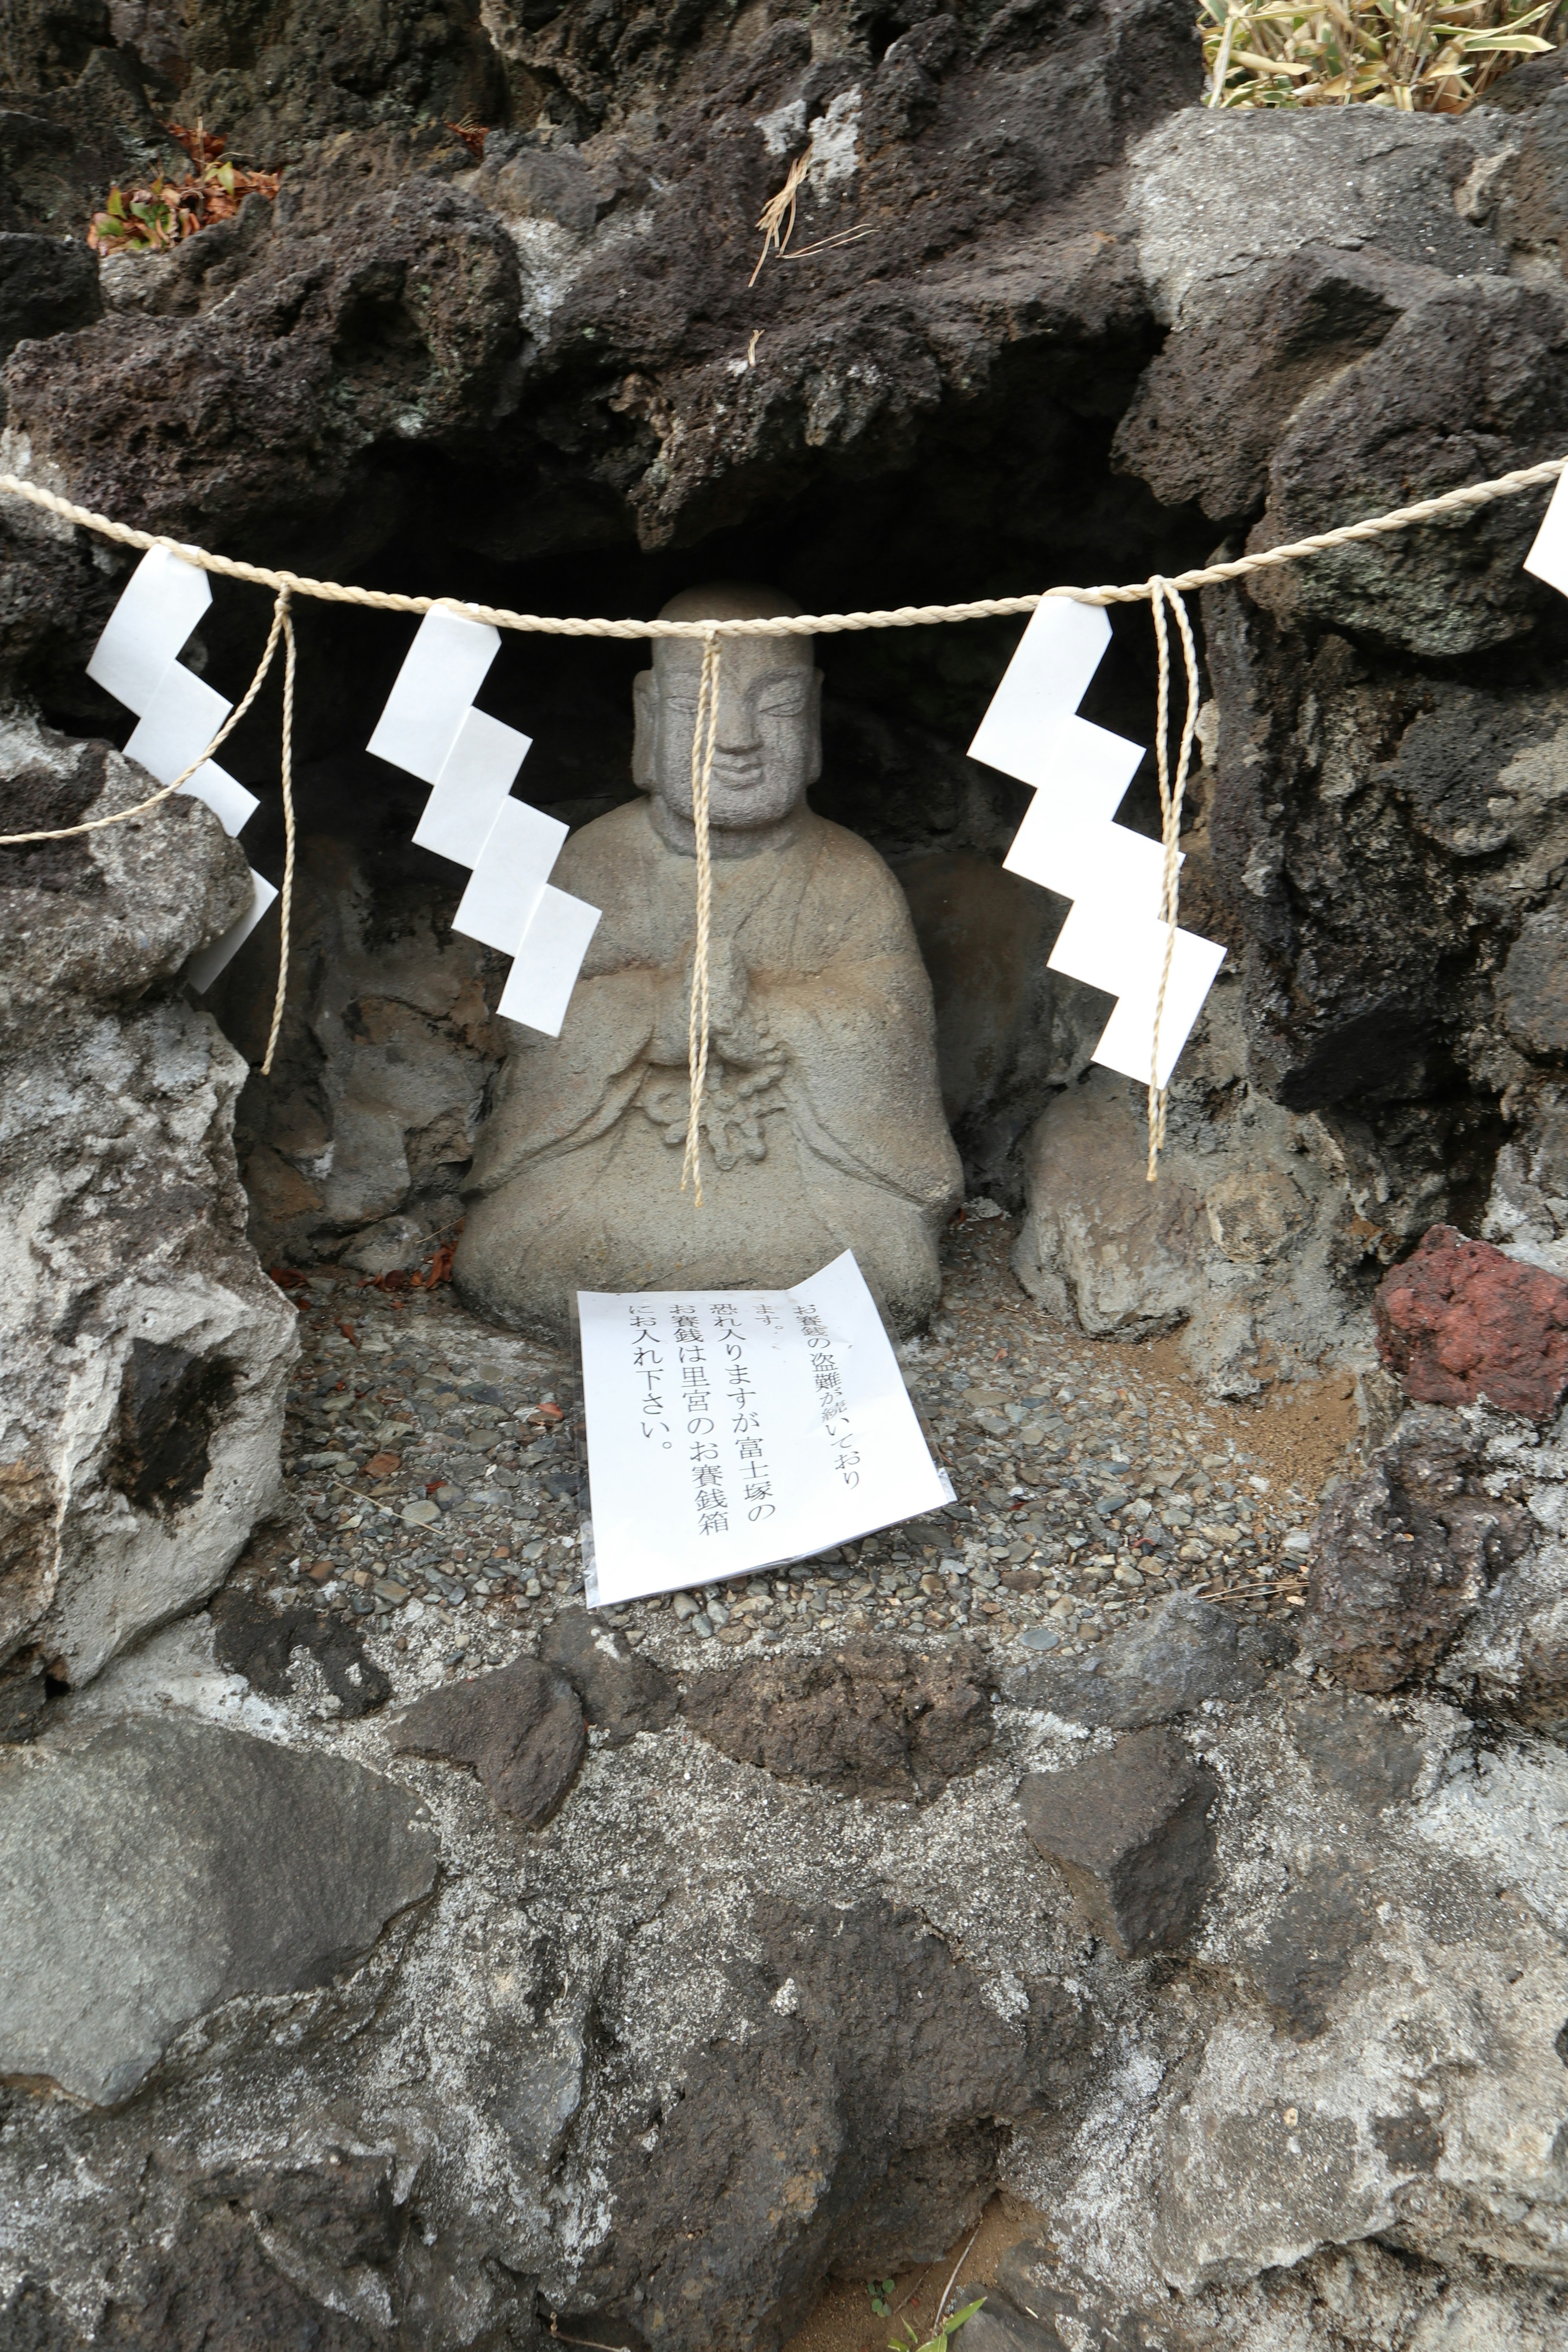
x=204, y=967
x=179, y=722
x=160, y=604
x=731, y=1429
x=1548, y=558
x=1113, y=938
x=471, y=760
x=544, y=972
x=508, y=876
x=178, y=713
x=475, y=781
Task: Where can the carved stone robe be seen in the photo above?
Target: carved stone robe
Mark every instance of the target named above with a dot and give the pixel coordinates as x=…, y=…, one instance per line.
x=822, y=1128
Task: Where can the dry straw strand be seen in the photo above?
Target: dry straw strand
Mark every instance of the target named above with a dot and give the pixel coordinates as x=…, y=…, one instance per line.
x=704, y=740
x=1415, y=56
x=286, y=778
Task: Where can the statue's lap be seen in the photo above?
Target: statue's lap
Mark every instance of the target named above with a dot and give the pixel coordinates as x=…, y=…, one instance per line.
x=612, y=1216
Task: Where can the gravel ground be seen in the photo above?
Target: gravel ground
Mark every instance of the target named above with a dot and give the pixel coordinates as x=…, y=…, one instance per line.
x=436, y=1484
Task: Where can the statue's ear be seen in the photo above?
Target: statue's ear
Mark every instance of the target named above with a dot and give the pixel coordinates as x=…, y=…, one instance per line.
x=814, y=730
x=645, y=729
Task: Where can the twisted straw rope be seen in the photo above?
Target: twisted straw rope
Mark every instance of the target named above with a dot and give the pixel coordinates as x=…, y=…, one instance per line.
x=1171, y=798
x=704, y=740
x=798, y=624
x=1155, y=591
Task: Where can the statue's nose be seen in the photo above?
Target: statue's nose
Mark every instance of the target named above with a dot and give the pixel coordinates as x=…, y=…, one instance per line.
x=737, y=730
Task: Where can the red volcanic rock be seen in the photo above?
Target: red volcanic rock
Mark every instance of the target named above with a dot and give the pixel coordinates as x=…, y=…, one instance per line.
x=1459, y=1320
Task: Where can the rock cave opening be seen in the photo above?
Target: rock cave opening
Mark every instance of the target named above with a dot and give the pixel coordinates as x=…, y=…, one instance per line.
x=1132, y=1893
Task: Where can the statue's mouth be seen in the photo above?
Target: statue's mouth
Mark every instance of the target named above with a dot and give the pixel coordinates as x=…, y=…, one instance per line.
x=737, y=775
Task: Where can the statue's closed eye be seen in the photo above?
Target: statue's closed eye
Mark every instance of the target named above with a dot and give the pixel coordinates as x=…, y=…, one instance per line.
x=782, y=702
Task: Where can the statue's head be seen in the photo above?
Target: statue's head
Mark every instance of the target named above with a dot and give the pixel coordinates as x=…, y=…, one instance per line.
x=768, y=747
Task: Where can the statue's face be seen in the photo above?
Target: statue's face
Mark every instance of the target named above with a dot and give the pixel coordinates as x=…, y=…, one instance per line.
x=768, y=747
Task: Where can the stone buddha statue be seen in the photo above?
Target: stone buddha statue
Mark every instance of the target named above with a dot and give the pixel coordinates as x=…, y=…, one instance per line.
x=822, y=1123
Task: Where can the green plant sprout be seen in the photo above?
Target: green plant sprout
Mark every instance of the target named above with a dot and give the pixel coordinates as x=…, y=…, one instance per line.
x=882, y=2294
x=946, y=2329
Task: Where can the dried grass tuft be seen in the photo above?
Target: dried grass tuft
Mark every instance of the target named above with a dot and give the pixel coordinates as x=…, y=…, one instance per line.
x=1419, y=59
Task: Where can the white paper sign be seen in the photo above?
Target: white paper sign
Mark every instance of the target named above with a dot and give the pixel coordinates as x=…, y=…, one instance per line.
x=476, y=777
x=730, y=1430
x=1548, y=558
x=1041, y=687
x=179, y=722
x=444, y=669
x=508, y=876
x=205, y=968
x=160, y=604
x=538, y=985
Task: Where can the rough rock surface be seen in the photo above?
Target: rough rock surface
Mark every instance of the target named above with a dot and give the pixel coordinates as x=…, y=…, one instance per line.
x=1130, y=1832
x=145, y=1354
x=1248, y=1247
x=622, y=1694
x=525, y=2102
x=521, y=1730
x=1459, y=1321
x=227, y=1866
x=1403, y=1554
x=1188, y=1654
x=868, y=1719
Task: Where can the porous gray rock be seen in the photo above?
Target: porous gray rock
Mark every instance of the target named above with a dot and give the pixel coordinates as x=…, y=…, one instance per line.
x=1129, y=1832
x=622, y=1694
x=146, y=1354
x=521, y=1728
x=369, y=1117
x=867, y=1719
x=1240, y=1246
x=227, y=1866
x=1187, y=1654
x=1403, y=1553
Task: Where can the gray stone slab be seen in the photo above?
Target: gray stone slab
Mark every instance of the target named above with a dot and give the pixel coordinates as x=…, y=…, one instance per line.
x=149, y=1871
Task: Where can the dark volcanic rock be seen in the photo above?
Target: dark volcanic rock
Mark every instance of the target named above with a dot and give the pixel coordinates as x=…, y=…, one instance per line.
x=1187, y=1653
x=1130, y=1832
x=1355, y=1749
x=258, y=1643
x=865, y=2101
x=1459, y=1321
x=1309, y=1943
x=621, y=1693
x=868, y=1719
x=1403, y=1554
x=521, y=1730
x=398, y=318
x=227, y=1864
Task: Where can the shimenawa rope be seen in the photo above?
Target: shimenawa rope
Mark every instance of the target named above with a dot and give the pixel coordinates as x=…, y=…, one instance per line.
x=1156, y=591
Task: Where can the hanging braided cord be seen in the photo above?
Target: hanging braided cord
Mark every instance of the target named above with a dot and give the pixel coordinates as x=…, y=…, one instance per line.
x=286, y=777
x=704, y=741
x=1171, y=798
x=1155, y=591
x=124, y=816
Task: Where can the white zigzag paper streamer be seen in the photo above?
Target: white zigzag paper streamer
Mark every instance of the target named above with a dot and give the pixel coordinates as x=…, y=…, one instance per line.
x=136, y=660
x=1068, y=841
x=430, y=729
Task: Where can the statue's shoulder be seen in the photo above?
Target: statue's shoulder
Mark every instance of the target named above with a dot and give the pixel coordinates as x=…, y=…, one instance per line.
x=841, y=852
x=607, y=846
